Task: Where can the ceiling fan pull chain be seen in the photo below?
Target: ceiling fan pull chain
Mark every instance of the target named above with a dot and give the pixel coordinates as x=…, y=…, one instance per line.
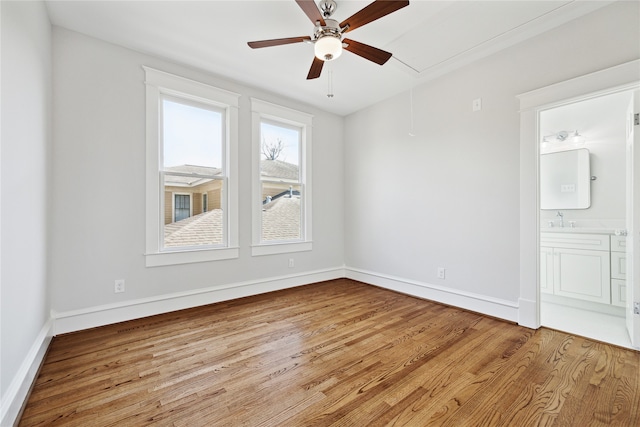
x=330, y=81
x=411, y=113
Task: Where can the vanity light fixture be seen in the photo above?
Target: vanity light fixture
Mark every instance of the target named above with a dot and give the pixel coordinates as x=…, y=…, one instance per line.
x=564, y=136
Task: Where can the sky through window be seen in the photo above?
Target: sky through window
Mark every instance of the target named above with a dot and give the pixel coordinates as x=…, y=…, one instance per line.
x=192, y=135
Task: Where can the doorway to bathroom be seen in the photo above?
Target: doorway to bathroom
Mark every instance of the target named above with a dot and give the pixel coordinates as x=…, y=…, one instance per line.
x=619, y=79
x=583, y=200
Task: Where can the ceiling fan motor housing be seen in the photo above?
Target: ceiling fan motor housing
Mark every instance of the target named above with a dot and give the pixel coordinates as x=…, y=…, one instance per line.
x=331, y=28
x=329, y=37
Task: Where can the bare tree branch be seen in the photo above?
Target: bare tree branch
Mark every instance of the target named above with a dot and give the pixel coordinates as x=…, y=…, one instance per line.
x=272, y=150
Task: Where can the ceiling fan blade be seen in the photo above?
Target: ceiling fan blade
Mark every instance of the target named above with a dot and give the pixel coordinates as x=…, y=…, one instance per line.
x=371, y=53
x=311, y=10
x=316, y=68
x=375, y=10
x=277, y=42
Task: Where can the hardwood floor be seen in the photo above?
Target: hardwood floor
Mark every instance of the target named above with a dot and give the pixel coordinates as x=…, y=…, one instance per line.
x=337, y=353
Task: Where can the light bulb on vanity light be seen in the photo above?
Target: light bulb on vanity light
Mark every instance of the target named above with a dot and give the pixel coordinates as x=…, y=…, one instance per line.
x=578, y=139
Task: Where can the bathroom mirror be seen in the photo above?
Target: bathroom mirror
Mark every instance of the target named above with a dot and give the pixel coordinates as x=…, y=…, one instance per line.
x=565, y=180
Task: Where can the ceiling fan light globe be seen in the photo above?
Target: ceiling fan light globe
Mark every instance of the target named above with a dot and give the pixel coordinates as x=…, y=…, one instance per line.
x=328, y=48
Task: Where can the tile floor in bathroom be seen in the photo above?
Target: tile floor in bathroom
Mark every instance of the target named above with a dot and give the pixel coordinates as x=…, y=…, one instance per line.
x=590, y=324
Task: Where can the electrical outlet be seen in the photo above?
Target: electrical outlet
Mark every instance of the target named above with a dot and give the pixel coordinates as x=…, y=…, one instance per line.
x=441, y=271
x=119, y=286
x=291, y=263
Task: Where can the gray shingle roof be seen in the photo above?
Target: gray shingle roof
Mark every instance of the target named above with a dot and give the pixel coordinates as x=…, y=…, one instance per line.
x=278, y=169
x=189, y=181
x=273, y=169
x=280, y=221
x=197, y=230
x=202, y=170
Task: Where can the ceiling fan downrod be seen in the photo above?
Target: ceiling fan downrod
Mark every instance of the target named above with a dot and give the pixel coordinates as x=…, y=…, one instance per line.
x=328, y=7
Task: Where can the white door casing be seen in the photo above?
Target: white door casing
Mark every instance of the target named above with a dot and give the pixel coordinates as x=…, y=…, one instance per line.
x=633, y=219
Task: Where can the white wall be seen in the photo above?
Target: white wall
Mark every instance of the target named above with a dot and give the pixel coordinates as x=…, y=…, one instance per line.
x=98, y=213
x=449, y=197
x=25, y=136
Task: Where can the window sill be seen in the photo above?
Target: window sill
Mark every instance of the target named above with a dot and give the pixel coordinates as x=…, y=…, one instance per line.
x=280, y=248
x=191, y=256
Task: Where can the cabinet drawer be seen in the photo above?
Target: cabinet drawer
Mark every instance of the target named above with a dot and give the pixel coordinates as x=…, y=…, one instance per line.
x=597, y=242
x=618, y=243
x=618, y=292
x=618, y=265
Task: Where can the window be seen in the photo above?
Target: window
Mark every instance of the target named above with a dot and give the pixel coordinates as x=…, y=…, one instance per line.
x=282, y=179
x=181, y=207
x=191, y=171
x=192, y=135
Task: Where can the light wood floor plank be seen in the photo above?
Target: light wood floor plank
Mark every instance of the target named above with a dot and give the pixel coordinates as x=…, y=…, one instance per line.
x=337, y=353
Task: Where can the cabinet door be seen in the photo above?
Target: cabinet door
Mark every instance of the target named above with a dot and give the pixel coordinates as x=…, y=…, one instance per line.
x=546, y=270
x=582, y=274
x=619, y=292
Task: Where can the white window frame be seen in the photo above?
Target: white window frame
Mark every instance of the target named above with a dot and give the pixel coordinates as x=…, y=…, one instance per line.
x=158, y=84
x=275, y=113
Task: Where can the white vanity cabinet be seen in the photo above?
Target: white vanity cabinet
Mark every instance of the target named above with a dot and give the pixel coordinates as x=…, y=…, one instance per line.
x=618, y=270
x=576, y=265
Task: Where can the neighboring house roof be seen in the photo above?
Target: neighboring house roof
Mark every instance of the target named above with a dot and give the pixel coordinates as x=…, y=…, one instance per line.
x=277, y=169
x=202, y=229
x=189, y=181
x=281, y=219
x=202, y=170
x=273, y=169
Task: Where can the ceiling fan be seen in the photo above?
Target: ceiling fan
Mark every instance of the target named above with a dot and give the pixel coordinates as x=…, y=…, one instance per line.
x=327, y=36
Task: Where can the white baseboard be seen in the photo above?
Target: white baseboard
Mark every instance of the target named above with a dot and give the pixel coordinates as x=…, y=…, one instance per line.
x=502, y=309
x=18, y=390
x=71, y=321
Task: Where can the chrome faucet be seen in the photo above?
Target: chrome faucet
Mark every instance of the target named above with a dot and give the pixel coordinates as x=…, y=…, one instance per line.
x=561, y=215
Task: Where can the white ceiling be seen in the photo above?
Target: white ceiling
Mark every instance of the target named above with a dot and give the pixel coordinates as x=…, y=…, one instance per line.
x=427, y=38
